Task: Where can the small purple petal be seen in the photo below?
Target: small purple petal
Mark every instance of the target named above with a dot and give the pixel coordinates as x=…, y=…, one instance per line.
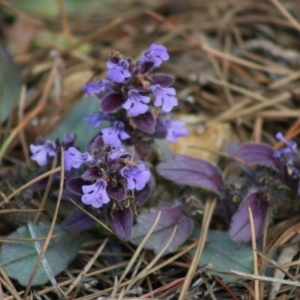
x=94, y=120
x=113, y=135
x=74, y=158
x=118, y=71
x=42, y=152
x=99, y=88
x=175, y=129
x=95, y=194
x=116, y=153
x=136, y=177
x=291, y=146
x=156, y=54
x=135, y=103
x=164, y=97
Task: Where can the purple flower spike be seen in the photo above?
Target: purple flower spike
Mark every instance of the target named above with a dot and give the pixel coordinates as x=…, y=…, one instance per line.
x=74, y=158
x=42, y=152
x=290, y=148
x=156, y=54
x=95, y=194
x=165, y=97
x=135, y=103
x=114, y=135
x=94, y=120
x=118, y=71
x=175, y=130
x=99, y=88
x=136, y=177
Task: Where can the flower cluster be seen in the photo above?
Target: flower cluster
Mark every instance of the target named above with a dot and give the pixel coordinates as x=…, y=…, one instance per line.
x=136, y=103
x=109, y=182
x=109, y=179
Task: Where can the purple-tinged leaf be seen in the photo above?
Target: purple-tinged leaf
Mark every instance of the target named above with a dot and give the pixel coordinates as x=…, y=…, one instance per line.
x=75, y=185
x=121, y=223
x=78, y=221
x=146, y=122
x=112, y=102
x=67, y=194
x=91, y=173
x=240, y=230
x=192, y=171
x=116, y=192
x=163, y=80
x=170, y=217
x=254, y=153
x=142, y=196
x=96, y=143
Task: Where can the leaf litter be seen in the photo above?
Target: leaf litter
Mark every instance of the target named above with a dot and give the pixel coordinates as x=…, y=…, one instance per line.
x=235, y=63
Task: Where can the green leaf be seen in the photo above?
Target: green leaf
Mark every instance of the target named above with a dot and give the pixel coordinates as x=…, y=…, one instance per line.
x=10, y=84
x=225, y=254
x=18, y=259
x=73, y=122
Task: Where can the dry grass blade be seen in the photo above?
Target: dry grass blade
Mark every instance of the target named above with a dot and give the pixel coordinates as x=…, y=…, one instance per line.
x=50, y=232
x=155, y=259
x=32, y=182
x=140, y=247
x=254, y=247
x=87, y=267
x=208, y=211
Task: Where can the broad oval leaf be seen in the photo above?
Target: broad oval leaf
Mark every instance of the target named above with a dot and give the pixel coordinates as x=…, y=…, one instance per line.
x=170, y=217
x=18, y=259
x=240, y=230
x=192, y=171
x=225, y=254
x=254, y=153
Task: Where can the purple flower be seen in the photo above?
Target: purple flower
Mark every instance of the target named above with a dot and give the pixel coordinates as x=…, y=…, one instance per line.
x=164, y=97
x=175, y=130
x=118, y=71
x=156, y=54
x=42, y=152
x=99, y=88
x=136, y=177
x=116, y=153
x=74, y=158
x=95, y=194
x=290, y=148
x=94, y=120
x=135, y=103
x=114, y=135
